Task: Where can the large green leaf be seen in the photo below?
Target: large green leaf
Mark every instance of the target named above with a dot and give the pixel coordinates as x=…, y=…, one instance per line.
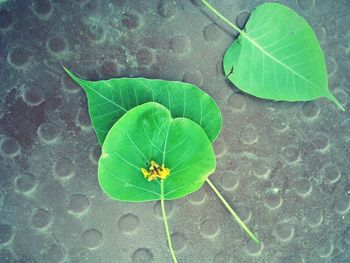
x=145, y=133
x=278, y=57
x=109, y=99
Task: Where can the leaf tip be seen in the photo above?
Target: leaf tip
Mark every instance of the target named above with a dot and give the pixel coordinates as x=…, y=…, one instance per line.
x=331, y=97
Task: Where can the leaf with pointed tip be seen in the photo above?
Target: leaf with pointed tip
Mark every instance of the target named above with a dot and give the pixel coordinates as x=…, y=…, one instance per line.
x=145, y=133
x=108, y=100
x=278, y=57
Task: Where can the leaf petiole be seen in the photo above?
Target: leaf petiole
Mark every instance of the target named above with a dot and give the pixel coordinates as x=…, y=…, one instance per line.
x=166, y=221
x=230, y=209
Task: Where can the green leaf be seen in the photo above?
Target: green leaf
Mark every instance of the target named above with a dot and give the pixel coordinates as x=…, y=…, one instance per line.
x=278, y=57
x=145, y=133
x=109, y=99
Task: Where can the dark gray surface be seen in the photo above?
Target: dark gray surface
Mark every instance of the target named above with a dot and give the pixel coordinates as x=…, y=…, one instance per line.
x=283, y=166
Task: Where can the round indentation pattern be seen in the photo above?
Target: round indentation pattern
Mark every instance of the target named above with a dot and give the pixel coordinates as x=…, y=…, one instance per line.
x=280, y=122
x=220, y=147
x=193, y=77
x=95, y=153
x=41, y=218
x=248, y=134
x=222, y=257
x=229, y=181
x=291, y=154
x=273, y=201
x=303, y=187
x=131, y=21
x=314, y=217
x=261, y=168
x=5, y=19
x=237, y=102
x=83, y=120
x=142, y=255
x=320, y=142
x=167, y=8
x=48, y=132
x=157, y=209
x=345, y=126
x=310, y=110
x=252, y=248
x=64, y=168
x=242, y=19
x=144, y=57
x=197, y=197
x=212, y=33
x=285, y=232
x=42, y=7
x=325, y=248
x=342, y=204
x=347, y=236
x=109, y=69
x=179, y=44
x=306, y=4
x=129, y=224
x=243, y=211
x=78, y=204
x=10, y=147
x=19, y=57
x=25, y=183
x=55, y=254
x=6, y=256
x=209, y=228
x=330, y=173
x=69, y=85
x=91, y=239
x=179, y=241
x=6, y=233
x=56, y=44
x=33, y=96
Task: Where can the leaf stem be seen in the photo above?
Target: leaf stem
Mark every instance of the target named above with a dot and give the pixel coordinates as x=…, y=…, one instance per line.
x=230, y=209
x=166, y=222
x=217, y=13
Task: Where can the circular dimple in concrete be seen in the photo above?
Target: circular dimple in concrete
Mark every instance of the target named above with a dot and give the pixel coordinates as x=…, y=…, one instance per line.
x=310, y=110
x=33, y=96
x=109, y=69
x=5, y=19
x=41, y=218
x=25, y=183
x=83, y=120
x=197, y=197
x=222, y=257
x=314, y=217
x=48, y=132
x=18, y=57
x=55, y=254
x=179, y=44
x=56, y=44
x=330, y=173
x=242, y=19
x=69, y=85
x=209, y=228
x=142, y=255
x=320, y=142
x=229, y=181
x=244, y=212
x=91, y=239
x=193, y=77
x=306, y=4
x=303, y=187
x=248, y=134
x=167, y=8
x=237, y=102
x=131, y=21
x=345, y=126
x=10, y=147
x=280, y=122
x=220, y=147
x=64, y=168
x=252, y=248
x=273, y=201
x=261, y=168
x=6, y=233
x=320, y=32
x=347, y=236
x=78, y=204
x=6, y=256
x=96, y=33
x=129, y=224
x=212, y=33
x=179, y=241
x=42, y=7
x=325, y=248
x=342, y=205
x=157, y=209
x=285, y=232
x=331, y=65
x=291, y=154
x=144, y=57
x=95, y=153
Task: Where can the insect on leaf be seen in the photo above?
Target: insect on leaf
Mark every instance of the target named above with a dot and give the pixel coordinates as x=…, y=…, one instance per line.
x=108, y=100
x=278, y=57
x=148, y=133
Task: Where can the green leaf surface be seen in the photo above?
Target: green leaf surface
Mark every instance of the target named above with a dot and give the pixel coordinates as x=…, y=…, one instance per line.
x=145, y=133
x=278, y=57
x=108, y=100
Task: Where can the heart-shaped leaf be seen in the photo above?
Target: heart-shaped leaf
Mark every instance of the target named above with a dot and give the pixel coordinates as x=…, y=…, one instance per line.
x=109, y=99
x=278, y=57
x=148, y=133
